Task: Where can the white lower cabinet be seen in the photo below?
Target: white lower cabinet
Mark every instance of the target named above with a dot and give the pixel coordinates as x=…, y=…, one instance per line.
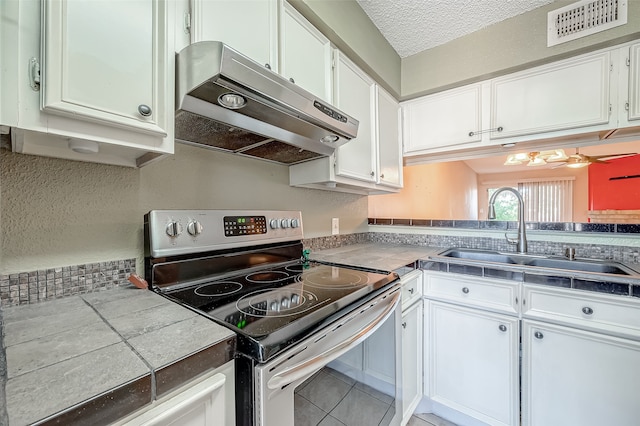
x=411, y=359
x=575, y=377
x=473, y=362
x=208, y=401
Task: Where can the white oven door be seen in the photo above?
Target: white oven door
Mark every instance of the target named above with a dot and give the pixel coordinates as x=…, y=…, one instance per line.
x=349, y=371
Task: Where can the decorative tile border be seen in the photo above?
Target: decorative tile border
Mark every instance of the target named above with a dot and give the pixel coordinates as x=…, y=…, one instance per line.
x=622, y=254
x=334, y=241
x=623, y=228
x=45, y=284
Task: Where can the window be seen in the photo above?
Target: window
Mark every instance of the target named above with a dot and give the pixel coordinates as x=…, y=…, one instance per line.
x=506, y=205
x=547, y=201
x=544, y=201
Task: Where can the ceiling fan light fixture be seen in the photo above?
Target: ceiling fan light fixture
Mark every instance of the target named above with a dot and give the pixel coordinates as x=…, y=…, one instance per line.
x=536, y=161
x=577, y=164
x=517, y=159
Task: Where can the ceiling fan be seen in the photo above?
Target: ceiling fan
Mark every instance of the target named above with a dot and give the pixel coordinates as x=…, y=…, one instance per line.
x=578, y=160
x=539, y=158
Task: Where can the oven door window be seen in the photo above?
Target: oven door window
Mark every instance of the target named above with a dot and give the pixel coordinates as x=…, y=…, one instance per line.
x=358, y=388
x=348, y=372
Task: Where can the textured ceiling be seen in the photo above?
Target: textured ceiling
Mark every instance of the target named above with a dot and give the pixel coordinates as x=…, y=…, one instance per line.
x=411, y=26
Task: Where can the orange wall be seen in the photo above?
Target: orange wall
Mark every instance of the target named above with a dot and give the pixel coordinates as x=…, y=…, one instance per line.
x=580, y=187
x=431, y=191
x=617, y=194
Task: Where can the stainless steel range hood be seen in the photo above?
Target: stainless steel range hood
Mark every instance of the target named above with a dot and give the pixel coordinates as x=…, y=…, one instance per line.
x=279, y=121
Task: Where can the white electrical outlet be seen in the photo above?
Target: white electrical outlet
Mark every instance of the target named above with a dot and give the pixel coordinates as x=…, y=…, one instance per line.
x=335, y=226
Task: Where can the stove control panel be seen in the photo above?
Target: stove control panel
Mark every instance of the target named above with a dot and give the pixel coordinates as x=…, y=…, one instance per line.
x=175, y=232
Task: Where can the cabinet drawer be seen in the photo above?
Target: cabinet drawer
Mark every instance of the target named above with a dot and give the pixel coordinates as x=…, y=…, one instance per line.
x=491, y=294
x=614, y=315
x=411, y=288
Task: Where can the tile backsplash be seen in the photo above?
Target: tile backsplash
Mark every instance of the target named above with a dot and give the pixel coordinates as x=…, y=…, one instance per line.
x=46, y=284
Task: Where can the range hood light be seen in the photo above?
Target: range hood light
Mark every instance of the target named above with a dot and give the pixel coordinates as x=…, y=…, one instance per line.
x=232, y=100
x=329, y=139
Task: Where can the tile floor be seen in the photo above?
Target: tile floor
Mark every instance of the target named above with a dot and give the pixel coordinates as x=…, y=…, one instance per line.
x=328, y=399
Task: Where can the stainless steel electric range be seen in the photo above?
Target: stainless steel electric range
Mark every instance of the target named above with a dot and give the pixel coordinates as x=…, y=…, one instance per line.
x=247, y=271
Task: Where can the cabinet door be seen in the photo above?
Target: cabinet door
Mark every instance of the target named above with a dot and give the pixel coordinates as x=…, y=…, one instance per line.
x=573, y=377
x=305, y=53
x=445, y=119
x=201, y=404
x=474, y=362
x=355, y=95
x=411, y=360
x=388, y=136
x=563, y=95
x=634, y=83
x=248, y=26
x=107, y=62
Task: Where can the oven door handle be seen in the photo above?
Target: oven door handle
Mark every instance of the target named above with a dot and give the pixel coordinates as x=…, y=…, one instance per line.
x=314, y=364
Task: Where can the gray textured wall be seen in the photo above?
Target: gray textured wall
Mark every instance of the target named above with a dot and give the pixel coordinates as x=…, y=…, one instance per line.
x=59, y=212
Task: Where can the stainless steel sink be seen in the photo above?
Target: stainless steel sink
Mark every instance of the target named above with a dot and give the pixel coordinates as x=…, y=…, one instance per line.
x=579, y=265
x=480, y=255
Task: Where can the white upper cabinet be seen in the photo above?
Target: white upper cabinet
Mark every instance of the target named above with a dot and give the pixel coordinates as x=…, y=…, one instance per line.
x=89, y=81
x=568, y=94
x=248, y=26
x=104, y=62
x=584, y=99
x=355, y=94
x=389, y=137
x=305, y=53
x=371, y=163
x=446, y=119
x=633, y=105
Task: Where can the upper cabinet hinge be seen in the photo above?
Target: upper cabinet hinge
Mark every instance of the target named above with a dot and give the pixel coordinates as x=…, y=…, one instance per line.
x=610, y=108
x=611, y=66
x=187, y=22
x=34, y=74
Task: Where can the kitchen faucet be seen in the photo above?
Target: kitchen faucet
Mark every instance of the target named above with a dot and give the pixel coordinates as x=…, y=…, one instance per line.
x=521, y=241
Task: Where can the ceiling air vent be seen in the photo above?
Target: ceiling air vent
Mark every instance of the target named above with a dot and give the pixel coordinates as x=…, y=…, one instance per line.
x=584, y=18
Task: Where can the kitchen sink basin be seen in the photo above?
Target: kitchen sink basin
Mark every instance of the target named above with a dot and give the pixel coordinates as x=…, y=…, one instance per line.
x=579, y=265
x=480, y=255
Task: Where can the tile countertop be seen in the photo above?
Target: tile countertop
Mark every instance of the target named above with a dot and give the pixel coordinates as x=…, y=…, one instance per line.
x=386, y=257
x=96, y=357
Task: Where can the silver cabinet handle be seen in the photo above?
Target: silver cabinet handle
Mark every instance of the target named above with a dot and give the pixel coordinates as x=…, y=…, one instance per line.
x=404, y=324
x=267, y=66
x=538, y=335
x=502, y=327
x=373, y=174
x=144, y=110
x=587, y=310
x=465, y=290
x=292, y=80
x=382, y=176
x=411, y=291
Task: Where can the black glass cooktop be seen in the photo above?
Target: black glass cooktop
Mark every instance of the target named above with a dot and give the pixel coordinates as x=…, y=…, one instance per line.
x=274, y=307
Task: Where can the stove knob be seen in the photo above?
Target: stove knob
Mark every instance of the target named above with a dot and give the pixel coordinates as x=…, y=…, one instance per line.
x=274, y=306
x=174, y=229
x=295, y=223
x=194, y=228
x=285, y=302
x=274, y=223
x=295, y=299
x=284, y=223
